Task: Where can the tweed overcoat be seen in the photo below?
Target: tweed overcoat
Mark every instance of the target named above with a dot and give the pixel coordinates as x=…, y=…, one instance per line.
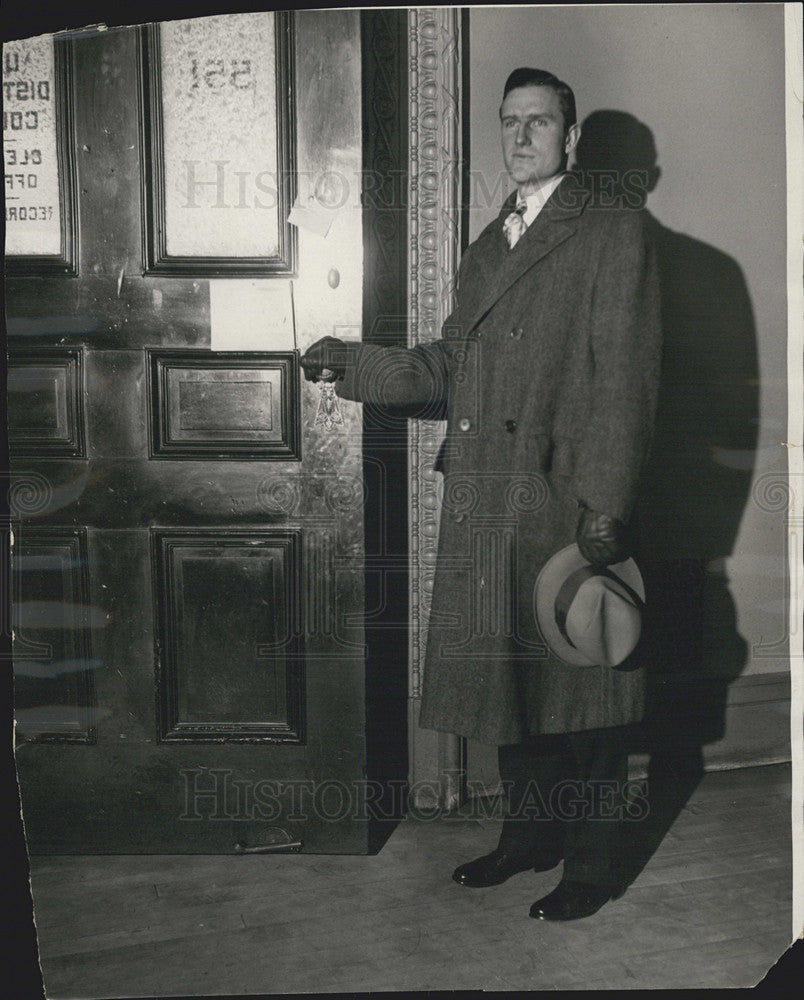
x=547, y=372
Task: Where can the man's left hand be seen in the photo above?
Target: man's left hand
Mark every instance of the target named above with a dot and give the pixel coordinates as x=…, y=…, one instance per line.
x=602, y=540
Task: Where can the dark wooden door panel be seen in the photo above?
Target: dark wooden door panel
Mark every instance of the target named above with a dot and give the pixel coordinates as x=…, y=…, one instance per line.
x=233, y=405
x=230, y=650
x=195, y=536
x=46, y=403
x=53, y=660
x=132, y=791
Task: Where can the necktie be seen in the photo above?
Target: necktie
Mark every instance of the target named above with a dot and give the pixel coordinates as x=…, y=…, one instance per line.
x=514, y=226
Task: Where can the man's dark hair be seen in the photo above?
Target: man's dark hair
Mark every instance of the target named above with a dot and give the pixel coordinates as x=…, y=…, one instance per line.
x=527, y=77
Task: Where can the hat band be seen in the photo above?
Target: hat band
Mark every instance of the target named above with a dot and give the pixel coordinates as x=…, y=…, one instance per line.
x=569, y=588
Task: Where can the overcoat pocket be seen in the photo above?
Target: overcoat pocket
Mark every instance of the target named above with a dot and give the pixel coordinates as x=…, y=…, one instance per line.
x=564, y=456
x=540, y=450
x=556, y=457
x=553, y=454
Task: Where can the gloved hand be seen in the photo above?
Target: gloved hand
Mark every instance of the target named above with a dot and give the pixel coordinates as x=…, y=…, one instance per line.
x=324, y=360
x=602, y=540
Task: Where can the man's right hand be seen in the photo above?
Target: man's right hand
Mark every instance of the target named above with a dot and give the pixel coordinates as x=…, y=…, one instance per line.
x=324, y=360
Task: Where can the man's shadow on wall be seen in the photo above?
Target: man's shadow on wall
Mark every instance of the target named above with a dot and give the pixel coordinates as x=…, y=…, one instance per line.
x=696, y=485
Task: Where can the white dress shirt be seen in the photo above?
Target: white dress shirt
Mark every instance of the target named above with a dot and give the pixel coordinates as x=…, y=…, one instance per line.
x=536, y=200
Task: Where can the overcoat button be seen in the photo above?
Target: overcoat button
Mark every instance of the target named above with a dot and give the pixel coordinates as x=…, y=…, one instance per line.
x=517, y=332
x=464, y=424
x=510, y=426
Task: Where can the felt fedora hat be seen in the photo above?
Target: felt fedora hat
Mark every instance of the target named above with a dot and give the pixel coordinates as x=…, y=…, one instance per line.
x=589, y=616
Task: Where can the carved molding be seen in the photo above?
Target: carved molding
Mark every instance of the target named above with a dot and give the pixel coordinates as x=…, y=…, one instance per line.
x=190, y=565
x=196, y=413
x=46, y=403
x=435, y=206
x=54, y=690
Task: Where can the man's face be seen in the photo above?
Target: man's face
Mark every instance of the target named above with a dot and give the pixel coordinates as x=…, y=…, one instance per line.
x=535, y=145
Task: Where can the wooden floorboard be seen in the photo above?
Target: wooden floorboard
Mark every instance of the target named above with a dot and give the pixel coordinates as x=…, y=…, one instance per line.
x=710, y=908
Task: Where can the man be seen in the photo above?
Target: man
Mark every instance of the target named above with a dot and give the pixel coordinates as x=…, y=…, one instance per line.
x=547, y=374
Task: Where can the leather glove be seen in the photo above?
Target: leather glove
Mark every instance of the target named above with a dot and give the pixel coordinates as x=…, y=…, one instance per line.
x=602, y=540
x=324, y=361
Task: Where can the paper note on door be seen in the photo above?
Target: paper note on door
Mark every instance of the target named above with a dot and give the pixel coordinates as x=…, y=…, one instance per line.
x=312, y=215
x=251, y=315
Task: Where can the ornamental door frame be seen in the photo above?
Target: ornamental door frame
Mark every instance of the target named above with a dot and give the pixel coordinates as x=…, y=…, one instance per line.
x=436, y=95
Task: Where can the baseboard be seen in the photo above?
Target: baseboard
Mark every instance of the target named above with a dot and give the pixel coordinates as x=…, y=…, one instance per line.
x=755, y=731
x=757, y=726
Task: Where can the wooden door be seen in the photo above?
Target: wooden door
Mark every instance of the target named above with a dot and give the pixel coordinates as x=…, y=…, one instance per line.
x=192, y=669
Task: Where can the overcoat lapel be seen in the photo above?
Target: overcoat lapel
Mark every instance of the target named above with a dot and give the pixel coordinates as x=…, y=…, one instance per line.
x=501, y=266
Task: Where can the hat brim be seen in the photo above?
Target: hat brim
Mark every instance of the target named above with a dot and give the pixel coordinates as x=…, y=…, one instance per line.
x=548, y=583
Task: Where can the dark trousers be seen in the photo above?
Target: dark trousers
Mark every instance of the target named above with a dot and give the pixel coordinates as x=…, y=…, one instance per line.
x=565, y=800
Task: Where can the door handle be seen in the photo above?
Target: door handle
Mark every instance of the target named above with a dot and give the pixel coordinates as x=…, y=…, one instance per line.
x=292, y=847
x=328, y=413
x=287, y=846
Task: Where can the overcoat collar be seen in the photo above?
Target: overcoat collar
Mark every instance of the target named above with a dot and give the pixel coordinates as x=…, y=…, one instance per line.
x=500, y=266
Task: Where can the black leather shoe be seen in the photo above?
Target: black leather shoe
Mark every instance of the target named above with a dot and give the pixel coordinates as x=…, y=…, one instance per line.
x=570, y=901
x=491, y=869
